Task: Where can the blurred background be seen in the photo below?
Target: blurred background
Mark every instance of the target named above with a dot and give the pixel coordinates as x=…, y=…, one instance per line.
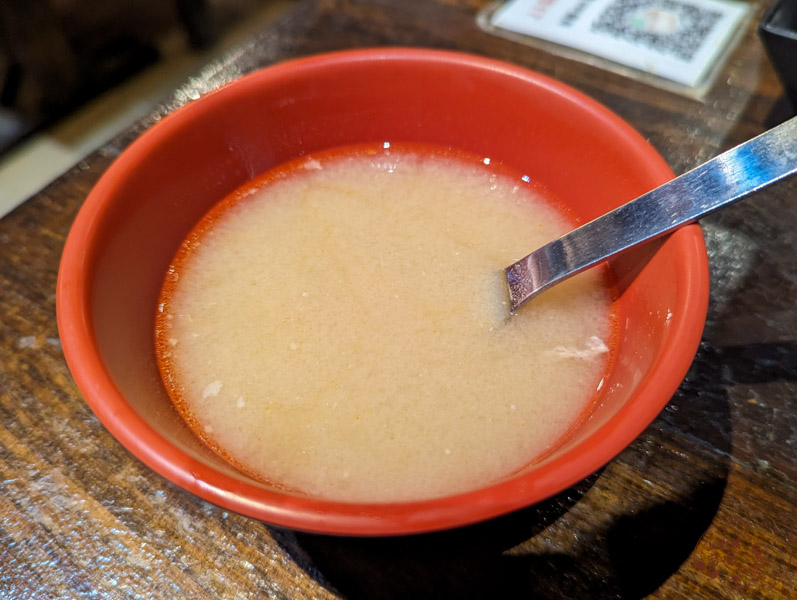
x=73, y=73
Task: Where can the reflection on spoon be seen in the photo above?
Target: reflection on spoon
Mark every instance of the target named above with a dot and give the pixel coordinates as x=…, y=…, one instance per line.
x=731, y=176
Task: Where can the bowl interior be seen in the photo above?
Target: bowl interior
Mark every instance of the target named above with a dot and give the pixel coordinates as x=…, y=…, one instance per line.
x=134, y=220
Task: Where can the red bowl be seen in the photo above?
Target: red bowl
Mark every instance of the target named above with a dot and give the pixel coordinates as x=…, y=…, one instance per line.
x=131, y=224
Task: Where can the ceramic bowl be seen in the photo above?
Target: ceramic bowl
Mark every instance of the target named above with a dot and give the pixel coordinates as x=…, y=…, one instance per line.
x=133, y=221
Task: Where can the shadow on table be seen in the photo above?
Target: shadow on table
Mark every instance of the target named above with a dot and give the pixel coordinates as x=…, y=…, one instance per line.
x=632, y=559
x=461, y=563
x=629, y=557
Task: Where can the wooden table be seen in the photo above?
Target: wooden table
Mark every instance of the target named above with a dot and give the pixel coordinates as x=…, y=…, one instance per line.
x=702, y=504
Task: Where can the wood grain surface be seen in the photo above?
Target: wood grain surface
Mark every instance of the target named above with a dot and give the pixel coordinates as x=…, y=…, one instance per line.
x=701, y=505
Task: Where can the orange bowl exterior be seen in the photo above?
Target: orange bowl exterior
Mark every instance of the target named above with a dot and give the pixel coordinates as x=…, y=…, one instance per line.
x=131, y=224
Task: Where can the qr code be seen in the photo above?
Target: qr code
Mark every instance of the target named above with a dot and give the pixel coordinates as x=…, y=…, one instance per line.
x=670, y=27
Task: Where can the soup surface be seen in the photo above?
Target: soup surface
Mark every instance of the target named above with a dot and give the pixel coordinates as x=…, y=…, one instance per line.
x=339, y=327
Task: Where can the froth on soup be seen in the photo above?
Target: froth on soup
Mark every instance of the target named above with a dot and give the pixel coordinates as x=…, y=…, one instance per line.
x=338, y=327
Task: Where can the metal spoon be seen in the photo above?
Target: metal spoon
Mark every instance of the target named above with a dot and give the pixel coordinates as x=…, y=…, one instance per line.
x=729, y=177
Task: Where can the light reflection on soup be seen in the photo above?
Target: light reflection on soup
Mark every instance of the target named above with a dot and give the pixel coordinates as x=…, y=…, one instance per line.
x=339, y=327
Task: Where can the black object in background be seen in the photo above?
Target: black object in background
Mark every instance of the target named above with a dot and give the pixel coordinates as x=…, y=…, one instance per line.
x=778, y=32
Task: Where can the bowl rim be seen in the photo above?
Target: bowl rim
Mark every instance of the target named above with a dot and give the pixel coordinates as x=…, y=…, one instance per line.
x=332, y=517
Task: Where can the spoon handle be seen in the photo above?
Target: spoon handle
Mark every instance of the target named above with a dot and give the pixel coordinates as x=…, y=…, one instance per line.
x=729, y=177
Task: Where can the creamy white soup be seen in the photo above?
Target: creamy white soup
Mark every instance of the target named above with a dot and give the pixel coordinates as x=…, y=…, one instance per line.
x=340, y=328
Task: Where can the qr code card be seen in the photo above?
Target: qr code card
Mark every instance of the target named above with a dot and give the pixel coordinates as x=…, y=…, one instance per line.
x=679, y=40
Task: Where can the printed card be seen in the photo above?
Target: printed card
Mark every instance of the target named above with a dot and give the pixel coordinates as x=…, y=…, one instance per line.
x=679, y=40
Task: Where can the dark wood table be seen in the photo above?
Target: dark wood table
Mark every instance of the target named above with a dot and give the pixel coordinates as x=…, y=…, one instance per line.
x=701, y=505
